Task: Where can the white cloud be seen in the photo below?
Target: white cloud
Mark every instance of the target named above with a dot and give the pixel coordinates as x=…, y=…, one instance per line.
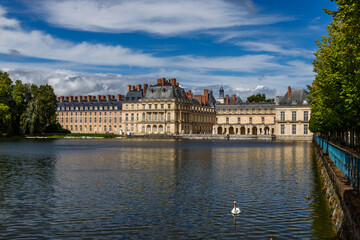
x=44, y=46
x=270, y=47
x=153, y=16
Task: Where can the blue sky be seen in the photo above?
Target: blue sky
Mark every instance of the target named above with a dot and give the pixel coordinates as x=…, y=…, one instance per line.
x=99, y=46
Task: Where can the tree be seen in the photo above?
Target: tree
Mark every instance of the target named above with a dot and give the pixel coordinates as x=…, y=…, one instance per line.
x=335, y=95
x=259, y=98
x=25, y=108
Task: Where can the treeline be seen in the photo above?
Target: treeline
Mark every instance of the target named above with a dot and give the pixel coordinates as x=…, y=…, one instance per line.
x=335, y=93
x=26, y=108
x=260, y=97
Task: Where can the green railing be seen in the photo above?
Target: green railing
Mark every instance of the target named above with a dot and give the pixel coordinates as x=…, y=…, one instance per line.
x=347, y=162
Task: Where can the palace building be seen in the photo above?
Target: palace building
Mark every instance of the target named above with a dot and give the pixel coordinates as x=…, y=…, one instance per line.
x=166, y=108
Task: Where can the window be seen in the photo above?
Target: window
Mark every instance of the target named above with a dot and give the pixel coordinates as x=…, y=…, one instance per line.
x=168, y=129
x=155, y=106
x=90, y=128
x=109, y=119
x=282, y=129
x=282, y=116
x=306, y=129
x=162, y=117
x=293, y=116
x=126, y=107
x=162, y=106
x=227, y=120
x=293, y=129
x=169, y=117
x=262, y=120
x=126, y=117
x=169, y=106
x=132, y=106
x=132, y=117
x=250, y=120
x=149, y=106
x=306, y=116
x=99, y=119
x=89, y=119
x=238, y=120
x=216, y=120
x=143, y=116
x=94, y=120
x=143, y=129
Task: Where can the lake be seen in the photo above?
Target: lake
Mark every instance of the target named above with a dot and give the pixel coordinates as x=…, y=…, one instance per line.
x=160, y=189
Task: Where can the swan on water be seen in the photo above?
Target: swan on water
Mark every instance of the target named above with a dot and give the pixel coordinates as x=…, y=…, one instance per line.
x=235, y=210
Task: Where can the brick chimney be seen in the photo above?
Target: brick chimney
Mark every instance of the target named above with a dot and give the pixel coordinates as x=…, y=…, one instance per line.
x=163, y=82
x=75, y=99
x=159, y=80
x=112, y=97
x=108, y=97
x=118, y=97
x=203, y=100
x=289, y=91
x=206, y=95
x=138, y=87
x=128, y=88
x=234, y=98
x=227, y=98
x=145, y=86
x=99, y=98
x=61, y=98
x=89, y=98
x=93, y=97
x=71, y=99
x=80, y=98
x=173, y=81
x=66, y=98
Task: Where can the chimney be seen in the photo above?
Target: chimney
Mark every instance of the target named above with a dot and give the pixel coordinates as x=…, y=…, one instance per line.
x=61, y=98
x=93, y=97
x=206, y=95
x=58, y=99
x=128, y=88
x=145, y=88
x=227, y=98
x=177, y=84
x=80, y=98
x=112, y=97
x=289, y=91
x=89, y=98
x=118, y=97
x=173, y=81
x=99, y=98
x=234, y=98
x=108, y=97
x=138, y=87
x=277, y=100
x=163, y=82
x=71, y=99
x=203, y=100
x=103, y=97
x=159, y=80
x=66, y=98
x=75, y=98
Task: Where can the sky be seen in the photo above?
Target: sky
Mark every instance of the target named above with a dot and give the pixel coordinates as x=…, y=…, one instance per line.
x=91, y=47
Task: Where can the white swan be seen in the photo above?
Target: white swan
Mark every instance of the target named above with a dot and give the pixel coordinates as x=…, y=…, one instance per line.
x=235, y=210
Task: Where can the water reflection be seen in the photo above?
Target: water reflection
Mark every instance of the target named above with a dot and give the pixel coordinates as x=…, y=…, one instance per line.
x=158, y=189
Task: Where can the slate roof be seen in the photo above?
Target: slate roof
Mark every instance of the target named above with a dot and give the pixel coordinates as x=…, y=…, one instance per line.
x=245, y=105
x=298, y=97
x=92, y=104
x=168, y=91
x=133, y=96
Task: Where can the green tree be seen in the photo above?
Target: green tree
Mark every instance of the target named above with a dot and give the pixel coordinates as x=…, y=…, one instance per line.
x=259, y=98
x=5, y=103
x=335, y=95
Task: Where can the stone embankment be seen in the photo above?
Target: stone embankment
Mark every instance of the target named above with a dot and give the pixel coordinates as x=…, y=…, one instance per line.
x=343, y=200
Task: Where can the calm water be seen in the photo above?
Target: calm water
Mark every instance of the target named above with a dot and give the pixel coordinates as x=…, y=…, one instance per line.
x=160, y=189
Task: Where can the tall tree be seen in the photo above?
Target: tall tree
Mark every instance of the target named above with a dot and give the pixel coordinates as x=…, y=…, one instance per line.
x=335, y=93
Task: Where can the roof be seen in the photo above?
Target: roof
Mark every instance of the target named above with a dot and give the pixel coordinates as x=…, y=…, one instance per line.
x=168, y=91
x=245, y=105
x=298, y=97
x=92, y=104
x=133, y=96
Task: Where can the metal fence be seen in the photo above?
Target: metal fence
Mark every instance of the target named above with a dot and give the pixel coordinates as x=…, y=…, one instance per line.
x=347, y=162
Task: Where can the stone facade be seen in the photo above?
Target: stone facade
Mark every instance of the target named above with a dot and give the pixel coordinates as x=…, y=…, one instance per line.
x=166, y=108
